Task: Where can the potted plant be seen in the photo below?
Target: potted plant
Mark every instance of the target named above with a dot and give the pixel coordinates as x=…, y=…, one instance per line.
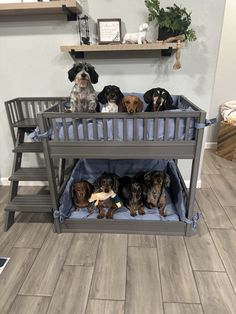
x=173, y=20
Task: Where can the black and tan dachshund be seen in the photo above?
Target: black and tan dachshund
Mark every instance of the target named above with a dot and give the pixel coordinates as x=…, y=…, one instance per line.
x=158, y=99
x=111, y=98
x=130, y=191
x=107, y=182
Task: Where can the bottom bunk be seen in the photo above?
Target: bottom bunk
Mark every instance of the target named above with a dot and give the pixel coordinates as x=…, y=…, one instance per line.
x=178, y=218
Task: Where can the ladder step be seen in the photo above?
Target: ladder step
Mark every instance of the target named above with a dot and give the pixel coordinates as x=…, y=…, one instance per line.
x=30, y=203
x=29, y=147
x=30, y=174
x=27, y=123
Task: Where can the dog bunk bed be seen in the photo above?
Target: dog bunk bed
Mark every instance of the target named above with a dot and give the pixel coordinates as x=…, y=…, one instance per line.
x=163, y=137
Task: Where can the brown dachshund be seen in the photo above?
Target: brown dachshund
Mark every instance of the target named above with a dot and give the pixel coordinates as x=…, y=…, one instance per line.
x=154, y=184
x=107, y=182
x=81, y=193
x=132, y=104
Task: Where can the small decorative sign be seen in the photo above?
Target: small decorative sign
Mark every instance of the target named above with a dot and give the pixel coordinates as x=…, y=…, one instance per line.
x=109, y=31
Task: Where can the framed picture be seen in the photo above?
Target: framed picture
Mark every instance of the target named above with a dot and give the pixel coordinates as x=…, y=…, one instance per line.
x=109, y=31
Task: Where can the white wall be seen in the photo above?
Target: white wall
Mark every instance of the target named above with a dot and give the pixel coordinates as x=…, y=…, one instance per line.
x=225, y=87
x=31, y=63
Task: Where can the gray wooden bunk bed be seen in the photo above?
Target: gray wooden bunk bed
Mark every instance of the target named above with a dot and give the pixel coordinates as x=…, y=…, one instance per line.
x=104, y=136
x=104, y=139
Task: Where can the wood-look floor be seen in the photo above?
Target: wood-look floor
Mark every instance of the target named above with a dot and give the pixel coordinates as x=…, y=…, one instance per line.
x=126, y=274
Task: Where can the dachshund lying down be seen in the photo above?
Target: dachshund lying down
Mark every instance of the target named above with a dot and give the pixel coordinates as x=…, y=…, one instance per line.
x=111, y=192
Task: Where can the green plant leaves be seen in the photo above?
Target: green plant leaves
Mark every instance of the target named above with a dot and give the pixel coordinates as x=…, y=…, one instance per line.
x=175, y=18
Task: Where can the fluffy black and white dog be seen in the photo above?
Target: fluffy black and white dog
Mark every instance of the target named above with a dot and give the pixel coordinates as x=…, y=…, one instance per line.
x=83, y=96
x=158, y=99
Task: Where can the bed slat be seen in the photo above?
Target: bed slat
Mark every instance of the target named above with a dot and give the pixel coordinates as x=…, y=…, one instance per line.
x=75, y=129
x=166, y=128
x=186, y=136
x=176, y=136
x=55, y=130
x=65, y=129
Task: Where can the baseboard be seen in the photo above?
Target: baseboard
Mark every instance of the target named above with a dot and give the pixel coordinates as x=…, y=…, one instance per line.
x=211, y=145
x=5, y=181
x=187, y=183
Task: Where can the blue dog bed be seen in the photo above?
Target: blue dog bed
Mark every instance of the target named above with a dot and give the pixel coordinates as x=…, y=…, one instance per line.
x=90, y=169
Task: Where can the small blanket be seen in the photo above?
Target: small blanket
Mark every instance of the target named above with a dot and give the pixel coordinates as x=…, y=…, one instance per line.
x=228, y=112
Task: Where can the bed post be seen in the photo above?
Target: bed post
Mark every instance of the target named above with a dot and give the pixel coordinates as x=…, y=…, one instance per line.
x=194, y=171
x=50, y=170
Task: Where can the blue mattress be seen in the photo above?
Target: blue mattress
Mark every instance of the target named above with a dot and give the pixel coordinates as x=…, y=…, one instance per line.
x=90, y=169
x=139, y=131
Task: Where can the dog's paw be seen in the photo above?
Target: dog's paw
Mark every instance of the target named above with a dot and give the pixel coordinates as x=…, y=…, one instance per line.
x=133, y=213
x=141, y=211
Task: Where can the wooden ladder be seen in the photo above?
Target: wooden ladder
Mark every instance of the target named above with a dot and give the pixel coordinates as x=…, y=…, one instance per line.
x=25, y=202
x=22, y=118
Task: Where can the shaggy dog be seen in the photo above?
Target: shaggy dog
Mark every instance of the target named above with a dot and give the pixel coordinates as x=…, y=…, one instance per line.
x=83, y=96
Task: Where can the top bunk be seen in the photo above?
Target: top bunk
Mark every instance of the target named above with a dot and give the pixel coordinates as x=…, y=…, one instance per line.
x=144, y=135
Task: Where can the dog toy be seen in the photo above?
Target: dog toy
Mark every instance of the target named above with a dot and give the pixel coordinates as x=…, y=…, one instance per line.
x=102, y=196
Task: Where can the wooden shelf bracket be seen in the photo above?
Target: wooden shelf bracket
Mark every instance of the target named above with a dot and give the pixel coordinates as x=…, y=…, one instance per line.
x=71, y=16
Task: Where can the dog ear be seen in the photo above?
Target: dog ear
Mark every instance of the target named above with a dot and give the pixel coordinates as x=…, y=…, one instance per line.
x=73, y=190
x=115, y=186
x=122, y=106
x=126, y=192
x=101, y=97
x=167, y=180
x=72, y=72
x=89, y=189
x=97, y=184
x=148, y=96
x=147, y=178
x=169, y=100
x=93, y=74
x=140, y=105
x=120, y=96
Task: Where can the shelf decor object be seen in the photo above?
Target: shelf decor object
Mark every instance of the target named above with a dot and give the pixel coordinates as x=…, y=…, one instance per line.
x=83, y=30
x=109, y=31
x=71, y=8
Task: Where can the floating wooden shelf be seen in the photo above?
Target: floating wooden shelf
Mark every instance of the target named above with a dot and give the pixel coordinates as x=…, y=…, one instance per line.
x=78, y=51
x=121, y=47
x=68, y=7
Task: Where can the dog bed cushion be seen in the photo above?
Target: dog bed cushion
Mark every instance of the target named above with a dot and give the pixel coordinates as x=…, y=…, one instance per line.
x=139, y=134
x=90, y=169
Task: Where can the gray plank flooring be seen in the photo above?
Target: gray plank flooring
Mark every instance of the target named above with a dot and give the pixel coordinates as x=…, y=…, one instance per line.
x=118, y=274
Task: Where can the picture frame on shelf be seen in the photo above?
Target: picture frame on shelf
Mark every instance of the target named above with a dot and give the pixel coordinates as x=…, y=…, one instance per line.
x=109, y=31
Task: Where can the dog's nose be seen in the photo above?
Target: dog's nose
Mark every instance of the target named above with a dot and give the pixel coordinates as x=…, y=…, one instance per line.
x=131, y=111
x=83, y=75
